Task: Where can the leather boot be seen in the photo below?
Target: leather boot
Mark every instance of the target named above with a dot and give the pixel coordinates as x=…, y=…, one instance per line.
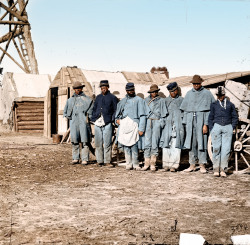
x=146, y=164
x=202, y=168
x=152, y=163
x=190, y=169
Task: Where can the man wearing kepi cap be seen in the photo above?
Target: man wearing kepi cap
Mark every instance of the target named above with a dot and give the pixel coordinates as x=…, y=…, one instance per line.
x=78, y=110
x=131, y=118
x=222, y=121
x=173, y=134
x=103, y=116
x=156, y=115
x=196, y=107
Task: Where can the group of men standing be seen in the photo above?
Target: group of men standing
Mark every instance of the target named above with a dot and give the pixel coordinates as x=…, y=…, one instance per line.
x=173, y=123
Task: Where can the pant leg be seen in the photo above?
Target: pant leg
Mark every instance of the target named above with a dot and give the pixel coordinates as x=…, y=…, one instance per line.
x=216, y=136
x=99, y=144
x=128, y=154
x=171, y=156
x=107, y=142
x=193, y=153
x=156, y=135
x=85, y=152
x=227, y=133
x=135, y=153
x=75, y=151
x=148, y=139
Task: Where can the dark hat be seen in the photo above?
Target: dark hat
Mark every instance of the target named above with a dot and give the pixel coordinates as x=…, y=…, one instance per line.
x=130, y=86
x=153, y=88
x=220, y=91
x=78, y=85
x=172, y=86
x=196, y=79
x=104, y=83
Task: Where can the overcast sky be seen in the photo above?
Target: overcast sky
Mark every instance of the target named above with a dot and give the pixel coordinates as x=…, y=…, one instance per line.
x=187, y=36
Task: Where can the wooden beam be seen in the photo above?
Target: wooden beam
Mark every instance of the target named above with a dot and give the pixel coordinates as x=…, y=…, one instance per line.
x=14, y=13
x=13, y=59
x=9, y=22
x=6, y=37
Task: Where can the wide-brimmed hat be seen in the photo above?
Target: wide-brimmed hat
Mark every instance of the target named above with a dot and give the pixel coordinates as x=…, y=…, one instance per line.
x=196, y=79
x=220, y=91
x=104, y=83
x=130, y=86
x=78, y=85
x=172, y=86
x=153, y=88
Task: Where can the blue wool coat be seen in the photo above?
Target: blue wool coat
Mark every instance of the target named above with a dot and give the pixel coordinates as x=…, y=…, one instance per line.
x=175, y=117
x=78, y=109
x=105, y=105
x=197, y=102
x=156, y=114
x=134, y=108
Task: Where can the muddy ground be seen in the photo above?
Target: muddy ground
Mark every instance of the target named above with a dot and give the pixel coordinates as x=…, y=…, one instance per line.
x=44, y=200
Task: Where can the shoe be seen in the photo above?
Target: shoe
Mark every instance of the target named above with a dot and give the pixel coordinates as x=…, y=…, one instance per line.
x=203, y=169
x=216, y=174
x=172, y=170
x=164, y=169
x=129, y=167
x=74, y=162
x=190, y=169
x=223, y=174
x=84, y=163
x=152, y=163
x=138, y=168
x=146, y=164
x=109, y=165
x=99, y=164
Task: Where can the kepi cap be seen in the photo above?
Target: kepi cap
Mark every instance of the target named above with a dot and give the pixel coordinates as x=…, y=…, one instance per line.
x=104, y=83
x=130, y=86
x=172, y=86
x=220, y=91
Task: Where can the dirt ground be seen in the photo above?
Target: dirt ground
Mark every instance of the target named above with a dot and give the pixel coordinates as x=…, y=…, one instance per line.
x=44, y=200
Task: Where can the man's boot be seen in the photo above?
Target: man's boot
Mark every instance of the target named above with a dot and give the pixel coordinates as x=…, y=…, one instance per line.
x=216, y=172
x=203, y=169
x=190, y=169
x=223, y=174
x=146, y=164
x=152, y=163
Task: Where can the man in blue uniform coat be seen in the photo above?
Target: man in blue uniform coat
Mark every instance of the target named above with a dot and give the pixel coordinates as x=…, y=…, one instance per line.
x=173, y=134
x=131, y=107
x=156, y=114
x=103, y=116
x=78, y=110
x=222, y=121
x=196, y=107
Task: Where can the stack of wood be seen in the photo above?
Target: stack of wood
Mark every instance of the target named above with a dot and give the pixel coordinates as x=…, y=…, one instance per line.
x=28, y=116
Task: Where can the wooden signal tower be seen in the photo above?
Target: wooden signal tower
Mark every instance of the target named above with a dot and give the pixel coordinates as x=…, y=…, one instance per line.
x=14, y=16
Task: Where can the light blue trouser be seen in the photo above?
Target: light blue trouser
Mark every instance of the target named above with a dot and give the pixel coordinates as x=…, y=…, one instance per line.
x=103, y=143
x=76, y=151
x=152, y=138
x=131, y=155
x=195, y=154
x=221, y=141
x=171, y=156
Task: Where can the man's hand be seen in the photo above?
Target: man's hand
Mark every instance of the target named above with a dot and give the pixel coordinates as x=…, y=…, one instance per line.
x=205, y=129
x=66, y=119
x=118, y=121
x=141, y=133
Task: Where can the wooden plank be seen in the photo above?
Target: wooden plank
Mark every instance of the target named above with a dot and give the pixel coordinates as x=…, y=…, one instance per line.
x=30, y=107
x=24, y=99
x=30, y=114
x=31, y=131
x=29, y=111
x=48, y=115
x=30, y=123
x=30, y=127
x=16, y=128
x=38, y=118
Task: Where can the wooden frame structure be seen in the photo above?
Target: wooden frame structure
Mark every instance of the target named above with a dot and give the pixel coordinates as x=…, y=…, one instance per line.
x=15, y=16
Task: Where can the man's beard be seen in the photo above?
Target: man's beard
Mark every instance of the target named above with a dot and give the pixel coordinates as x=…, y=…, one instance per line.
x=131, y=95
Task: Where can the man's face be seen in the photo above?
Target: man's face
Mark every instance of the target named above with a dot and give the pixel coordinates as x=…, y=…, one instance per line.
x=221, y=97
x=174, y=93
x=104, y=89
x=78, y=90
x=154, y=94
x=196, y=86
x=131, y=93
